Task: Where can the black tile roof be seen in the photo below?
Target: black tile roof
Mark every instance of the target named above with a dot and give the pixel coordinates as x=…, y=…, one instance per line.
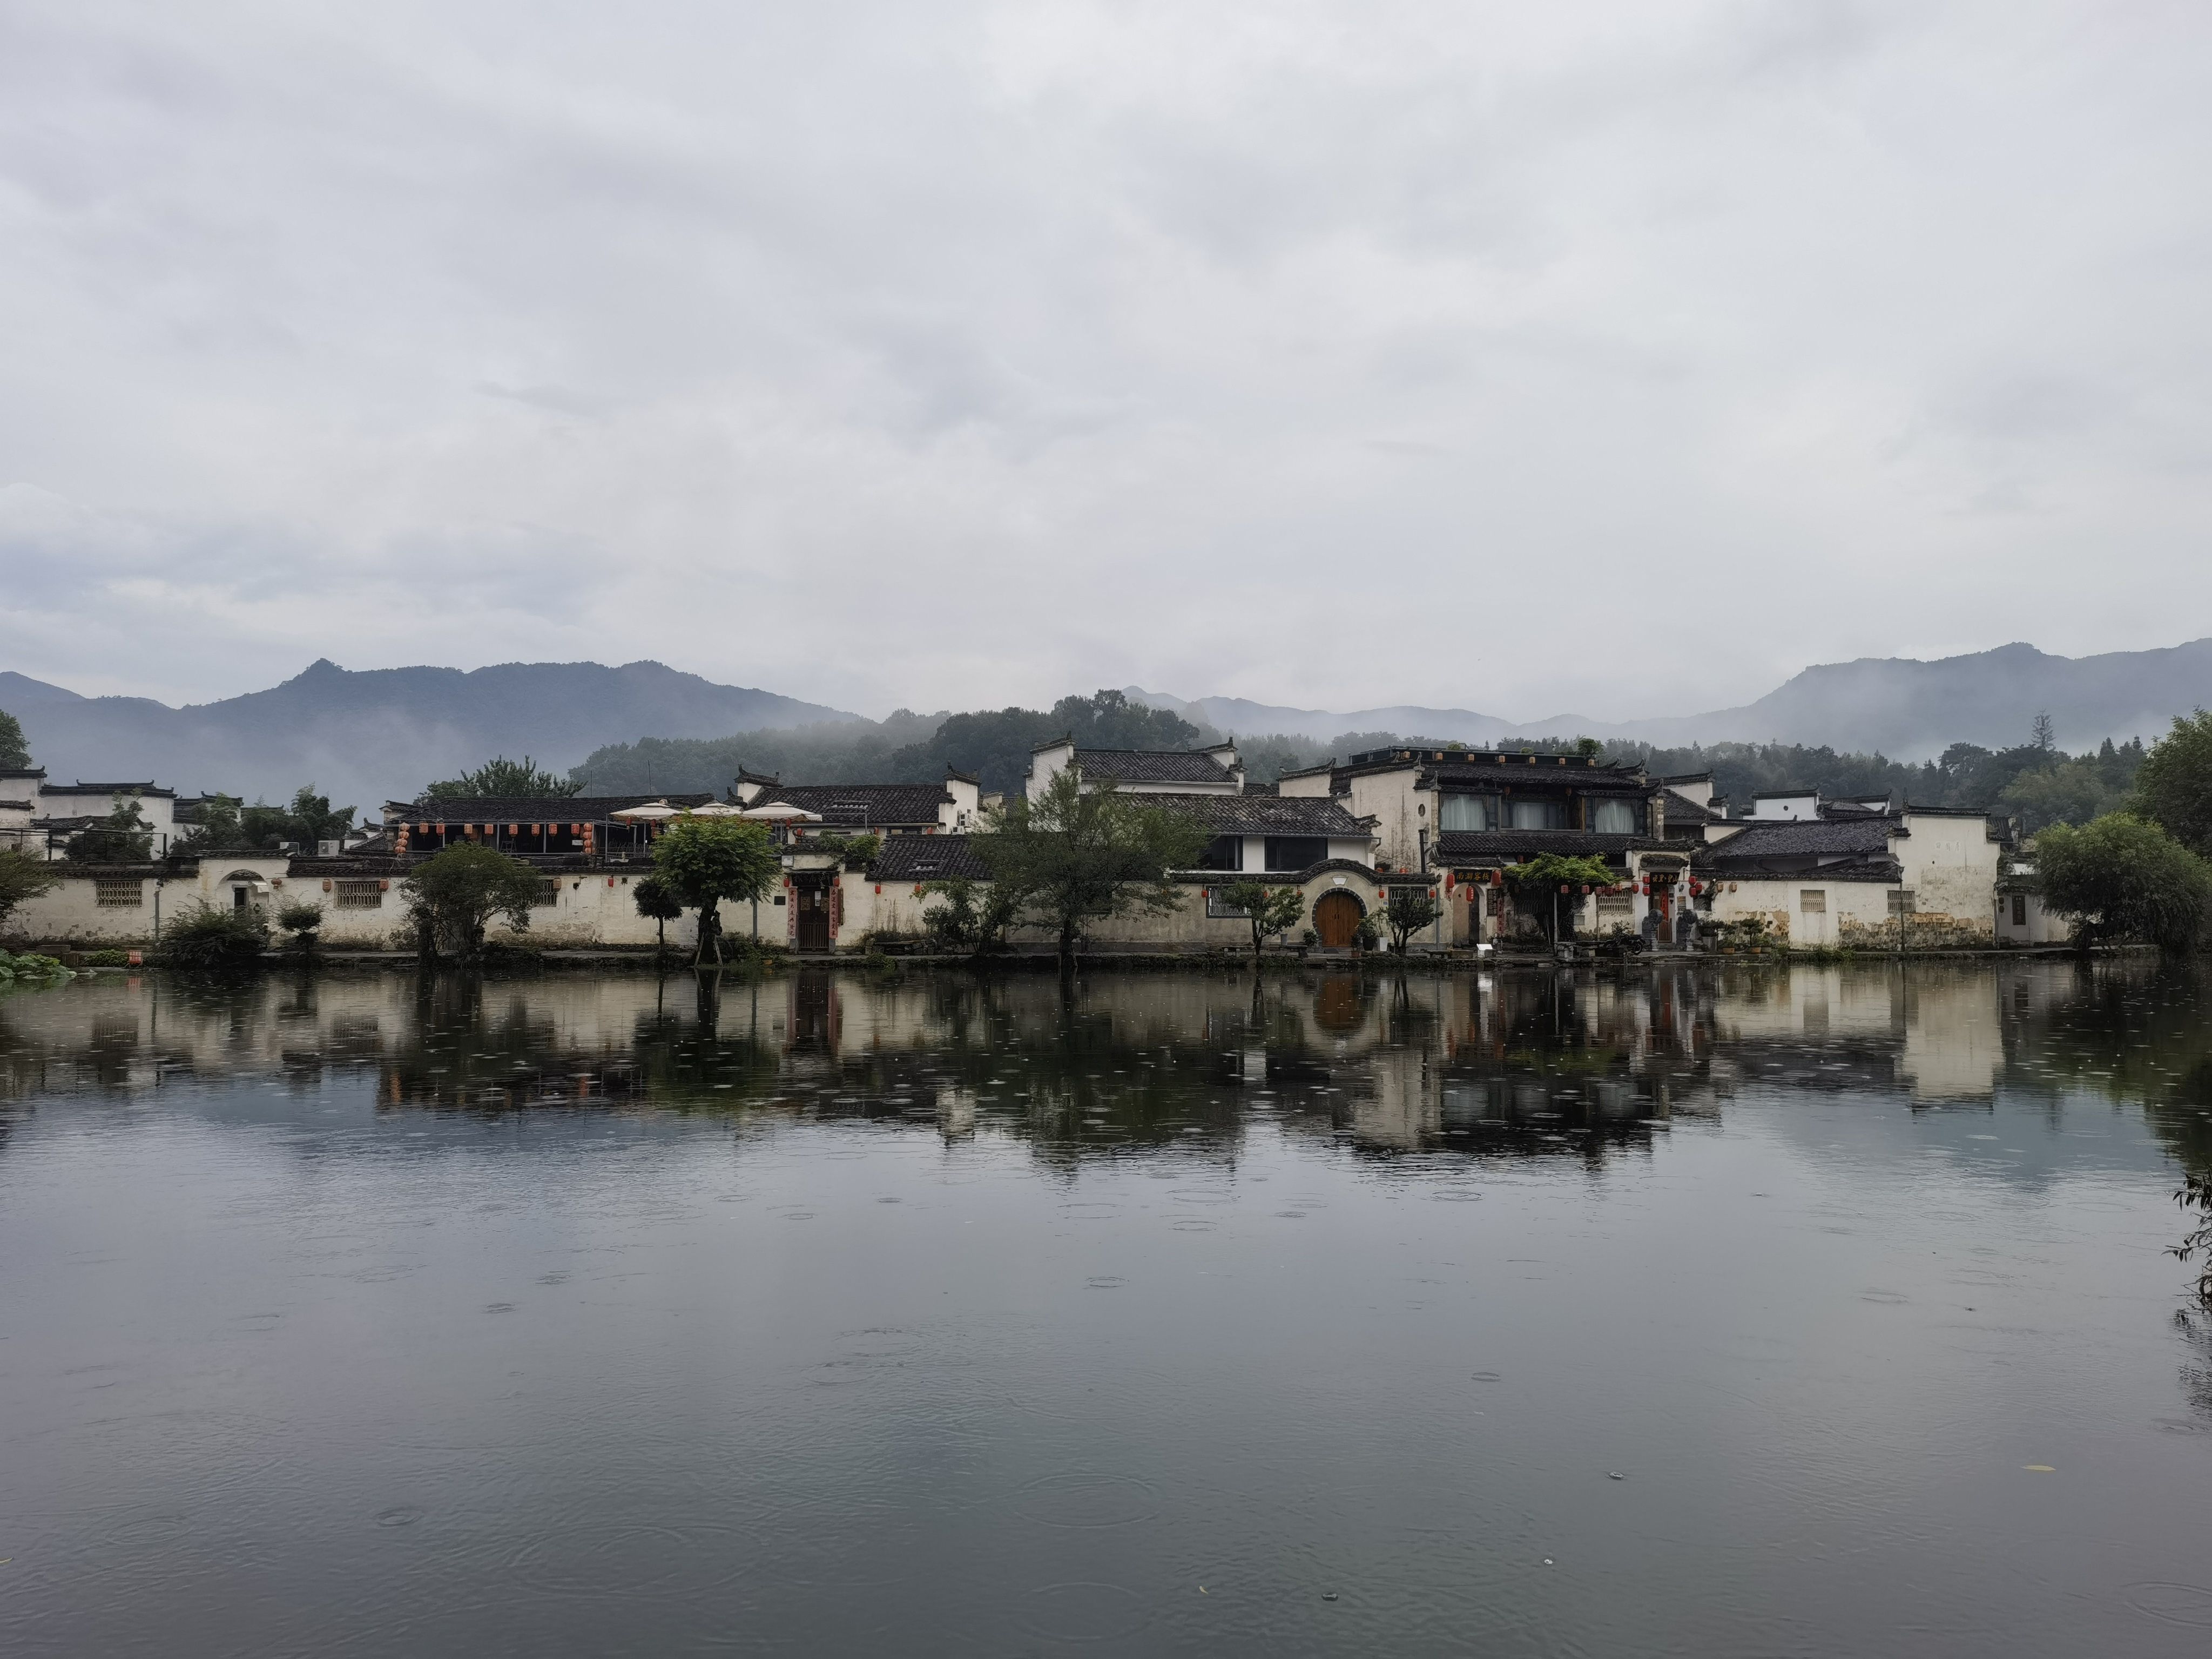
x=82, y=788
x=927, y=858
x=1264, y=815
x=1150, y=766
x=1804, y=838
x=1882, y=869
x=859, y=806
x=1489, y=846
x=1680, y=809
x=526, y=809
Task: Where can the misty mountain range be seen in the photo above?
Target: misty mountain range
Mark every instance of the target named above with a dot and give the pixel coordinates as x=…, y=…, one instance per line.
x=362, y=737
x=365, y=737
x=1895, y=705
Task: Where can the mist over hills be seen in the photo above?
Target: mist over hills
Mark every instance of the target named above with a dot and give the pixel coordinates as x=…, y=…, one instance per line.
x=1897, y=705
x=362, y=737
x=365, y=737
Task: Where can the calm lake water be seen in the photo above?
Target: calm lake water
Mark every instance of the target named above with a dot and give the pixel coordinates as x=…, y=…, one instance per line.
x=1820, y=1311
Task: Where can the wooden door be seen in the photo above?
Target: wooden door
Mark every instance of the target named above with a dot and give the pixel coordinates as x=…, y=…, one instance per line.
x=1336, y=918
x=813, y=904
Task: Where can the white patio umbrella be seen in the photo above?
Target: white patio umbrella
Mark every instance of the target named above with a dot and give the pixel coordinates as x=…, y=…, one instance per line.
x=649, y=811
x=782, y=813
x=717, y=809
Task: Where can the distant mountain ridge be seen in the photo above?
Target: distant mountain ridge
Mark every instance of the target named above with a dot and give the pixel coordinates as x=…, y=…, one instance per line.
x=362, y=737
x=365, y=737
x=1901, y=707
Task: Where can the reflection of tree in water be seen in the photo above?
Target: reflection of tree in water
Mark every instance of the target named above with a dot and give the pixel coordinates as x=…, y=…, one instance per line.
x=2196, y=1375
x=484, y=1046
x=2131, y=1029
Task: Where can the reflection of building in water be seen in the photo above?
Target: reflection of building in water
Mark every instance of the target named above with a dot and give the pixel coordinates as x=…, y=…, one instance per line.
x=1953, y=1044
x=1507, y=1062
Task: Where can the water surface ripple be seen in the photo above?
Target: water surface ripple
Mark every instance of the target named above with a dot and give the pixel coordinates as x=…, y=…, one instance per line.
x=1717, y=1311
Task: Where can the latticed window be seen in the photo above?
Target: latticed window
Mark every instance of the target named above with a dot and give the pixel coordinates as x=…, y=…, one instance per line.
x=119, y=893
x=357, y=895
x=1812, y=901
x=1615, y=907
x=549, y=892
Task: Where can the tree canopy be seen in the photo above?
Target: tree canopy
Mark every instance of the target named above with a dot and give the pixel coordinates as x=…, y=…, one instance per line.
x=504, y=778
x=1535, y=884
x=2174, y=787
x=223, y=825
x=2124, y=880
x=14, y=751
x=1076, y=856
x=452, y=897
x=2042, y=783
x=123, y=836
x=706, y=862
x=1404, y=913
x=22, y=878
x=974, y=917
x=1267, y=909
x=659, y=903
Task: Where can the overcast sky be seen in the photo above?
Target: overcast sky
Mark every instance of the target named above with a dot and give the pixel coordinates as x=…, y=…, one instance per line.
x=1621, y=359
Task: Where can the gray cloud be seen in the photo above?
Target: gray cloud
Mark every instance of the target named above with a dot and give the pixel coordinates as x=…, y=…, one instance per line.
x=1623, y=358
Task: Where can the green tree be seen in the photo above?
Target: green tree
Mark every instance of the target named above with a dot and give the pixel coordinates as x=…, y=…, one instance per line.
x=1075, y=855
x=2123, y=878
x=974, y=917
x=123, y=836
x=657, y=902
x=2066, y=791
x=1535, y=885
x=1268, y=910
x=22, y=878
x=503, y=778
x=452, y=897
x=1404, y=913
x=312, y=819
x=221, y=824
x=216, y=827
x=709, y=862
x=2174, y=786
x=14, y=751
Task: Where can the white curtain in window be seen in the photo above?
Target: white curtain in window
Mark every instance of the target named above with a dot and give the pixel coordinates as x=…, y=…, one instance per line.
x=1613, y=817
x=1465, y=813
x=1540, y=814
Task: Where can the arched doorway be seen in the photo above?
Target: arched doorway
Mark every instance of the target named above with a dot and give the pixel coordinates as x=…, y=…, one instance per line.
x=1336, y=918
